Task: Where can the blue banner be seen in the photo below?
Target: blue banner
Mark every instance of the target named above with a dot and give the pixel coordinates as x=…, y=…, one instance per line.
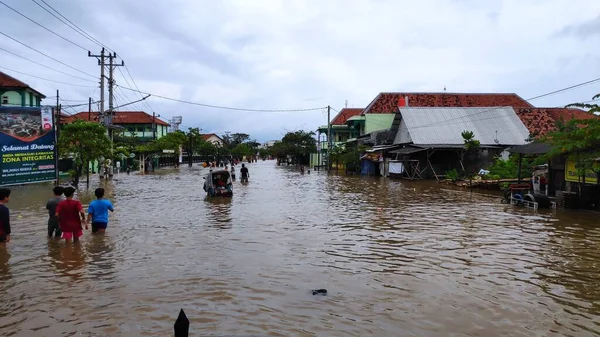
x=27, y=145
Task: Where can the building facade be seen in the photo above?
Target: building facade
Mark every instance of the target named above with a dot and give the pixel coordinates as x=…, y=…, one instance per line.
x=213, y=138
x=131, y=123
x=16, y=93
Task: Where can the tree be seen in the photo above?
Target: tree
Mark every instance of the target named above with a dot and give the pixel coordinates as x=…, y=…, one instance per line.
x=299, y=145
x=241, y=150
x=336, y=153
x=470, y=142
x=592, y=108
x=84, y=141
x=172, y=141
x=580, y=141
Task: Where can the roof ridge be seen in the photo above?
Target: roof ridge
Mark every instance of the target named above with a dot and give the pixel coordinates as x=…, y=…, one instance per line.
x=15, y=79
x=449, y=93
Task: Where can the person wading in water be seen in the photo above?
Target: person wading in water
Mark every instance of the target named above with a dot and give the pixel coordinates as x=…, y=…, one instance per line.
x=244, y=172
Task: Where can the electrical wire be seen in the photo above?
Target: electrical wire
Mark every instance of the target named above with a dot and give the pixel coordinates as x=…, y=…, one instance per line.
x=46, y=79
x=138, y=96
x=222, y=107
x=40, y=25
x=48, y=56
x=447, y=121
x=70, y=24
x=45, y=66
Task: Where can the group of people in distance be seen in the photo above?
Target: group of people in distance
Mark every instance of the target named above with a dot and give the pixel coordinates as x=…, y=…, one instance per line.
x=66, y=217
x=243, y=171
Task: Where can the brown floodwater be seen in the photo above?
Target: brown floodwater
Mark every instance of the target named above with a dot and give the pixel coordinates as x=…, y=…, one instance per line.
x=398, y=258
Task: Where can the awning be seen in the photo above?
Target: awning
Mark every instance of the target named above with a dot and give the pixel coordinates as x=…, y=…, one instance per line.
x=452, y=146
x=407, y=150
x=531, y=148
x=382, y=147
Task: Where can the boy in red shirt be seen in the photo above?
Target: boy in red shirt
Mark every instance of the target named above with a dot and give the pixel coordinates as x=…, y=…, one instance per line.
x=70, y=216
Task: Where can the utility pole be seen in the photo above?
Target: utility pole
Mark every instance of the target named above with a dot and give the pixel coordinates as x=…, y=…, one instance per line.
x=57, y=125
x=191, y=151
x=90, y=109
x=101, y=63
x=111, y=83
x=328, y=138
x=56, y=122
x=153, y=125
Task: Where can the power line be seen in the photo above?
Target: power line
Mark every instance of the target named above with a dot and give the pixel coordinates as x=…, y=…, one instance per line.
x=48, y=56
x=70, y=24
x=82, y=32
x=136, y=94
x=46, y=79
x=530, y=99
x=136, y=86
x=222, y=107
x=45, y=66
x=51, y=31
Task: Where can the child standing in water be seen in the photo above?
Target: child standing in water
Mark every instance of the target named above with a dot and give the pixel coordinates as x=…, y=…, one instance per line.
x=98, y=212
x=53, y=227
x=4, y=215
x=70, y=216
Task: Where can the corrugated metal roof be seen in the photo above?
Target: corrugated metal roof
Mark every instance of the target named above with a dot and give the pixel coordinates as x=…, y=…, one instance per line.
x=491, y=126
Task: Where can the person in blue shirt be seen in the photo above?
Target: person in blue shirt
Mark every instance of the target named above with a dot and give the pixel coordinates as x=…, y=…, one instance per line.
x=98, y=212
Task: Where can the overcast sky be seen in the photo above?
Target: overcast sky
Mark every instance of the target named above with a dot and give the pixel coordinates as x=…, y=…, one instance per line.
x=292, y=54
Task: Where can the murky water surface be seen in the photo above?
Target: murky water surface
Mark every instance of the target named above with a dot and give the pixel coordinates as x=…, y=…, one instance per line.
x=398, y=259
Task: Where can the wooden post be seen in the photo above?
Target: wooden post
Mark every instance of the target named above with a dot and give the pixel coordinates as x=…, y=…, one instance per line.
x=182, y=325
x=519, y=169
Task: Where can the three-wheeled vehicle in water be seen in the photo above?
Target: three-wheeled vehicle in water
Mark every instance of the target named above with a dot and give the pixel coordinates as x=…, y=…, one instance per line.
x=218, y=184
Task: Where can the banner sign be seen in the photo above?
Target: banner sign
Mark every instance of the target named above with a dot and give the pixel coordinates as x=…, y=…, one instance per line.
x=573, y=175
x=27, y=145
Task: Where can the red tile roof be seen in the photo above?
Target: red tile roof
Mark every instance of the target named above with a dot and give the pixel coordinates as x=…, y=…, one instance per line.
x=344, y=114
x=541, y=121
x=206, y=136
x=120, y=117
x=7, y=81
x=387, y=102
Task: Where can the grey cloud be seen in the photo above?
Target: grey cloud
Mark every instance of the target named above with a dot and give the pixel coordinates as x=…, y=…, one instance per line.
x=583, y=30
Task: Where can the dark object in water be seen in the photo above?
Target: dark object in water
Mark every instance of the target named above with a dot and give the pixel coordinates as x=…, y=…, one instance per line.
x=542, y=199
x=321, y=292
x=182, y=325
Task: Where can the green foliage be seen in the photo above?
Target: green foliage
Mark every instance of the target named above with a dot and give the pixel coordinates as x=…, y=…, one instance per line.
x=337, y=153
x=85, y=141
x=172, y=141
x=509, y=169
x=263, y=153
x=470, y=142
x=206, y=148
x=579, y=140
x=232, y=140
x=452, y=175
x=299, y=144
x=592, y=108
x=242, y=150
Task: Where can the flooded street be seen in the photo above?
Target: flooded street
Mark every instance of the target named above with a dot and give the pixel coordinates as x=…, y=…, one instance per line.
x=397, y=258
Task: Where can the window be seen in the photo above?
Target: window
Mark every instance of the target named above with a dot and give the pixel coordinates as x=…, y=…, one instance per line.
x=4, y=99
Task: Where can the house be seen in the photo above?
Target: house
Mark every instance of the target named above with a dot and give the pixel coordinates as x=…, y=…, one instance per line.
x=268, y=144
x=541, y=121
x=380, y=114
x=340, y=133
x=213, y=138
x=430, y=140
x=16, y=93
x=133, y=123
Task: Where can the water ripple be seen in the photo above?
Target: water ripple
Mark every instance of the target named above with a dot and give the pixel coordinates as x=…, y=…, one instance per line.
x=398, y=258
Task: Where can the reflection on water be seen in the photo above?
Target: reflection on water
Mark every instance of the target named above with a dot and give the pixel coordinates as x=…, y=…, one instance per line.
x=397, y=257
